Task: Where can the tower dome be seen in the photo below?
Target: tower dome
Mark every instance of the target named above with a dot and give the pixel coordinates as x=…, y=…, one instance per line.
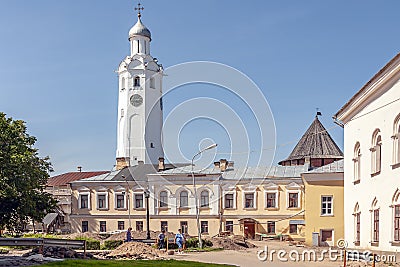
x=139, y=29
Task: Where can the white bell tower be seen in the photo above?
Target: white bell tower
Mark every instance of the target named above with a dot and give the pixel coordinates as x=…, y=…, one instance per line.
x=140, y=115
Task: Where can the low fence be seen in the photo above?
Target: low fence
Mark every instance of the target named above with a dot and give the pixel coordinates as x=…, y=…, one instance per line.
x=41, y=242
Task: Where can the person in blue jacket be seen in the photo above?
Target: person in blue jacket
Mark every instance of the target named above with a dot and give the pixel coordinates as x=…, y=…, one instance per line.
x=179, y=239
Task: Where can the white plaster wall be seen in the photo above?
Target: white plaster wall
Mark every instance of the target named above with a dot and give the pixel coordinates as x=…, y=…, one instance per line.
x=379, y=113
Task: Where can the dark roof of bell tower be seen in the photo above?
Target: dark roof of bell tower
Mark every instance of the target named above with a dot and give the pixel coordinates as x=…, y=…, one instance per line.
x=316, y=143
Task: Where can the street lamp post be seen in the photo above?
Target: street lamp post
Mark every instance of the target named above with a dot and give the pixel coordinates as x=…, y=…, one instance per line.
x=147, y=196
x=129, y=201
x=195, y=194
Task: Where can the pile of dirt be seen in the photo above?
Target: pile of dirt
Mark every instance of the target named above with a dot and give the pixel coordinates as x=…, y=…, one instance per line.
x=58, y=252
x=231, y=243
x=137, y=235
x=134, y=250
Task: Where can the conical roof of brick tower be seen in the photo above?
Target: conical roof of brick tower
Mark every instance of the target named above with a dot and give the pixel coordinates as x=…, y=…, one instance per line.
x=316, y=143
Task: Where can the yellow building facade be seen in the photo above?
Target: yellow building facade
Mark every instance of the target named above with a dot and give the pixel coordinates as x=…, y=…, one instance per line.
x=324, y=204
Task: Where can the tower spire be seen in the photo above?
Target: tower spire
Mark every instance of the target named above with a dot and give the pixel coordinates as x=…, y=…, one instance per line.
x=139, y=8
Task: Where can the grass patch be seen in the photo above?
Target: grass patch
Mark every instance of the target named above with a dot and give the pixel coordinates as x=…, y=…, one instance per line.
x=206, y=249
x=126, y=263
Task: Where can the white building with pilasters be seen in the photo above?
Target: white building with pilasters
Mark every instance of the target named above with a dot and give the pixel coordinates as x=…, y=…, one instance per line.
x=371, y=121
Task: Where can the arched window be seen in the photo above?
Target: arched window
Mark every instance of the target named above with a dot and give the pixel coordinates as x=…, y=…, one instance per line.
x=183, y=199
x=376, y=152
x=136, y=82
x=357, y=224
x=396, y=140
x=204, y=198
x=396, y=215
x=356, y=162
x=375, y=221
x=163, y=199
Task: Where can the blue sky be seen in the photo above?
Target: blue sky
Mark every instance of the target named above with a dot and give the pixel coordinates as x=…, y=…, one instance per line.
x=57, y=62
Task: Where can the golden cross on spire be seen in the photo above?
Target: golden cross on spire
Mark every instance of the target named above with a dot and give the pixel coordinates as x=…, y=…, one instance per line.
x=139, y=8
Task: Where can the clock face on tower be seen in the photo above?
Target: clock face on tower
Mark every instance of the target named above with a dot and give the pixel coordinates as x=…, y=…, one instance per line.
x=136, y=100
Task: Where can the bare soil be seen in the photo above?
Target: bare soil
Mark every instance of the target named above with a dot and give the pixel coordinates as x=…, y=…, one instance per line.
x=134, y=250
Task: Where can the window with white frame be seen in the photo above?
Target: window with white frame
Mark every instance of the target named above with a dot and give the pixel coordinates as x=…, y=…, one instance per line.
x=248, y=200
x=293, y=200
x=163, y=201
x=271, y=199
x=229, y=201
x=102, y=200
x=139, y=201
x=84, y=198
x=120, y=200
x=396, y=141
x=249, y=197
x=136, y=81
x=204, y=198
x=183, y=199
x=357, y=224
x=396, y=216
x=375, y=221
x=326, y=205
x=376, y=152
x=356, y=162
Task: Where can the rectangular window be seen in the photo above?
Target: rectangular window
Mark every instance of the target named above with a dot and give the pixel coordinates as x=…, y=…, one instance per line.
x=85, y=226
x=138, y=201
x=358, y=227
x=376, y=226
x=293, y=200
x=249, y=200
x=164, y=226
x=184, y=227
x=397, y=223
x=103, y=227
x=293, y=229
x=84, y=201
x=139, y=226
x=101, y=201
x=204, y=227
x=120, y=201
x=271, y=200
x=121, y=225
x=326, y=235
x=326, y=205
x=229, y=226
x=271, y=228
x=229, y=201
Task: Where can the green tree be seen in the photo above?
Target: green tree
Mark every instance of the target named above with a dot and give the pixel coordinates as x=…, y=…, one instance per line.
x=23, y=177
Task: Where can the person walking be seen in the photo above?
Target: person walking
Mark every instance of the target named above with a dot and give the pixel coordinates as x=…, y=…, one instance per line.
x=129, y=235
x=179, y=238
x=161, y=240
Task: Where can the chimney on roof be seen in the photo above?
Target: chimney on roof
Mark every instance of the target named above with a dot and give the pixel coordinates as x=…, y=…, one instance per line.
x=79, y=168
x=122, y=163
x=161, y=164
x=140, y=162
x=223, y=164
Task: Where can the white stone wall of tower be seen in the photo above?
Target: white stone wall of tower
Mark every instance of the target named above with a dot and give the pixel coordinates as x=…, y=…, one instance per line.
x=139, y=128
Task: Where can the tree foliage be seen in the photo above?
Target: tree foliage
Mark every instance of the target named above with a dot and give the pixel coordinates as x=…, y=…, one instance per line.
x=23, y=177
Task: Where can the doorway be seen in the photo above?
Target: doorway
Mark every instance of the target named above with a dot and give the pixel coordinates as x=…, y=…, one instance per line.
x=249, y=229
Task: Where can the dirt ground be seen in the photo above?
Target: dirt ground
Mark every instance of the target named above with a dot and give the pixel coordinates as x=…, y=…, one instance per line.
x=249, y=257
